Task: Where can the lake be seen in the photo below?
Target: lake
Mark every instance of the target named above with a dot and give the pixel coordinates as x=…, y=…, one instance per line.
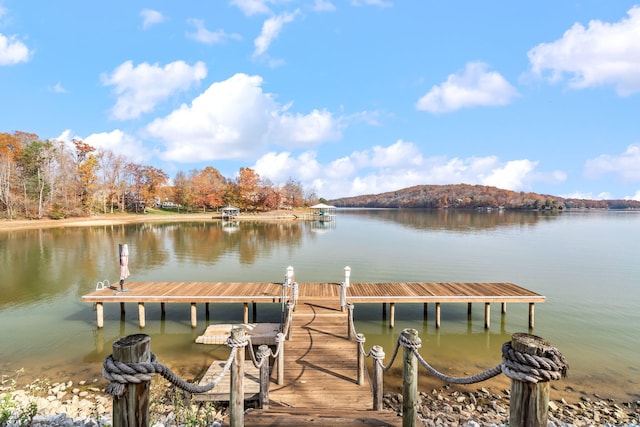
x=584, y=262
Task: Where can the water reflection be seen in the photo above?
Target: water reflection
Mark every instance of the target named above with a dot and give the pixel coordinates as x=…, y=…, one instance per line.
x=454, y=219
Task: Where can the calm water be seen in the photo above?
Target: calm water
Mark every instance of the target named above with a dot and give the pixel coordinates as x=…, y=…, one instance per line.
x=585, y=263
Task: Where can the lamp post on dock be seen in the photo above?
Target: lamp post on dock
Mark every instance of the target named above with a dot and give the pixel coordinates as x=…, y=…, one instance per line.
x=345, y=285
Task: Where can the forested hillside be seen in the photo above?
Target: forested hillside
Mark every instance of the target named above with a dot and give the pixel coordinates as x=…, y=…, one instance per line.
x=465, y=196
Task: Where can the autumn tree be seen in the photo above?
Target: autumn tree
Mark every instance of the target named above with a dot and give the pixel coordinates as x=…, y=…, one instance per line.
x=34, y=163
x=111, y=168
x=292, y=193
x=208, y=188
x=268, y=195
x=87, y=166
x=247, y=182
x=183, y=193
x=10, y=150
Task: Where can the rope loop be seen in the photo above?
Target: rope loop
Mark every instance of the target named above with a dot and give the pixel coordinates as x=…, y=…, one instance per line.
x=405, y=340
x=551, y=365
x=238, y=343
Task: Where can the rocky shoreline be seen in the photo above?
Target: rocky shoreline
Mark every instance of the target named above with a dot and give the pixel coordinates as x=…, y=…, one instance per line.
x=86, y=404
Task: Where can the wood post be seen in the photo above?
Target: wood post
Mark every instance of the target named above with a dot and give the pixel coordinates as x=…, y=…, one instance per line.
x=392, y=315
x=254, y=312
x=100, y=314
x=469, y=309
x=194, y=315
x=163, y=309
x=350, y=308
x=425, y=311
x=487, y=315
x=409, y=382
x=132, y=408
x=280, y=339
x=504, y=308
x=529, y=402
x=263, y=355
x=245, y=312
x=384, y=311
x=378, y=384
x=360, y=339
x=437, y=315
x=122, y=310
x=531, y=315
x=236, y=394
x=141, y=316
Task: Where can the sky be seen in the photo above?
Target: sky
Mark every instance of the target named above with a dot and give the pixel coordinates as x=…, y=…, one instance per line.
x=347, y=97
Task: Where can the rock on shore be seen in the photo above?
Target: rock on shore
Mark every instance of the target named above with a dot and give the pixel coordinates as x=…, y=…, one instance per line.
x=83, y=404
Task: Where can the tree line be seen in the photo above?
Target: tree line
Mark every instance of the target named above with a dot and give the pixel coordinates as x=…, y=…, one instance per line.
x=466, y=196
x=49, y=178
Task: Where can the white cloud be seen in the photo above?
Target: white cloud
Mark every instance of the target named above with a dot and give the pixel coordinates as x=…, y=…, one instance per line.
x=626, y=167
x=13, y=51
x=379, y=3
x=601, y=54
x=58, y=88
x=3, y=11
x=202, y=35
x=120, y=143
x=151, y=17
x=141, y=88
x=235, y=119
x=587, y=196
x=252, y=7
x=634, y=197
x=474, y=87
x=397, y=166
x=323, y=6
x=271, y=30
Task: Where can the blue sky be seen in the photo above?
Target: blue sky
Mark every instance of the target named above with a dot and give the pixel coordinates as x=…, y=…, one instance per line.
x=347, y=97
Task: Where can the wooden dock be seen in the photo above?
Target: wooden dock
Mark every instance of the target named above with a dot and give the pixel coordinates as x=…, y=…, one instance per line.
x=320, y=376
x=195, y=293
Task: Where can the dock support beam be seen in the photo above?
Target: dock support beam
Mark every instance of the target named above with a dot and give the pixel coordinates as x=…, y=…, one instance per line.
x=504, y=308
x=487, y=315
x=469, y=310
x=141, y=315
x=437, y=315
x=392, y=315
x=100, y=314
x=245, y=312
x=532, y=315
x=194, y=315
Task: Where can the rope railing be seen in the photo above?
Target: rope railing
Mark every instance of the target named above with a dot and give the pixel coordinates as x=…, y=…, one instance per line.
x=527, y=359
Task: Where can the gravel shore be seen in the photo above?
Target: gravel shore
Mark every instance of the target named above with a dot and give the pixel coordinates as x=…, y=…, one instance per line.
x=85, y=404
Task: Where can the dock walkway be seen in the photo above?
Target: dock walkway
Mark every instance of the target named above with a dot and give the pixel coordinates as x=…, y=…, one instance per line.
x=320, y=386
x=194, y=293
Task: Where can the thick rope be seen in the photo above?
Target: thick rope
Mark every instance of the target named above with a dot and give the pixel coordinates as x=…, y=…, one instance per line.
x=531, y=368
x=120, y=374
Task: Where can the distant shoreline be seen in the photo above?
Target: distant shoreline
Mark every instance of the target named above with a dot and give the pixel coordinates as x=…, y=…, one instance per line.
x=118, y=219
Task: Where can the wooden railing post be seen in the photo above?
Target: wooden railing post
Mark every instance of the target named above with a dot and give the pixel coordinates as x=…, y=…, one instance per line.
x=236, y=396
x=529, y=404
x=360, y=339
x=132, y=408
x=263, y=357
x=378, y=384
x=350, y=308
x=409, y=381
x=280, y=341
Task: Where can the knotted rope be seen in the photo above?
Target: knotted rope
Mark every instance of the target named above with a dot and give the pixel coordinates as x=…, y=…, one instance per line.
x=120, y=374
